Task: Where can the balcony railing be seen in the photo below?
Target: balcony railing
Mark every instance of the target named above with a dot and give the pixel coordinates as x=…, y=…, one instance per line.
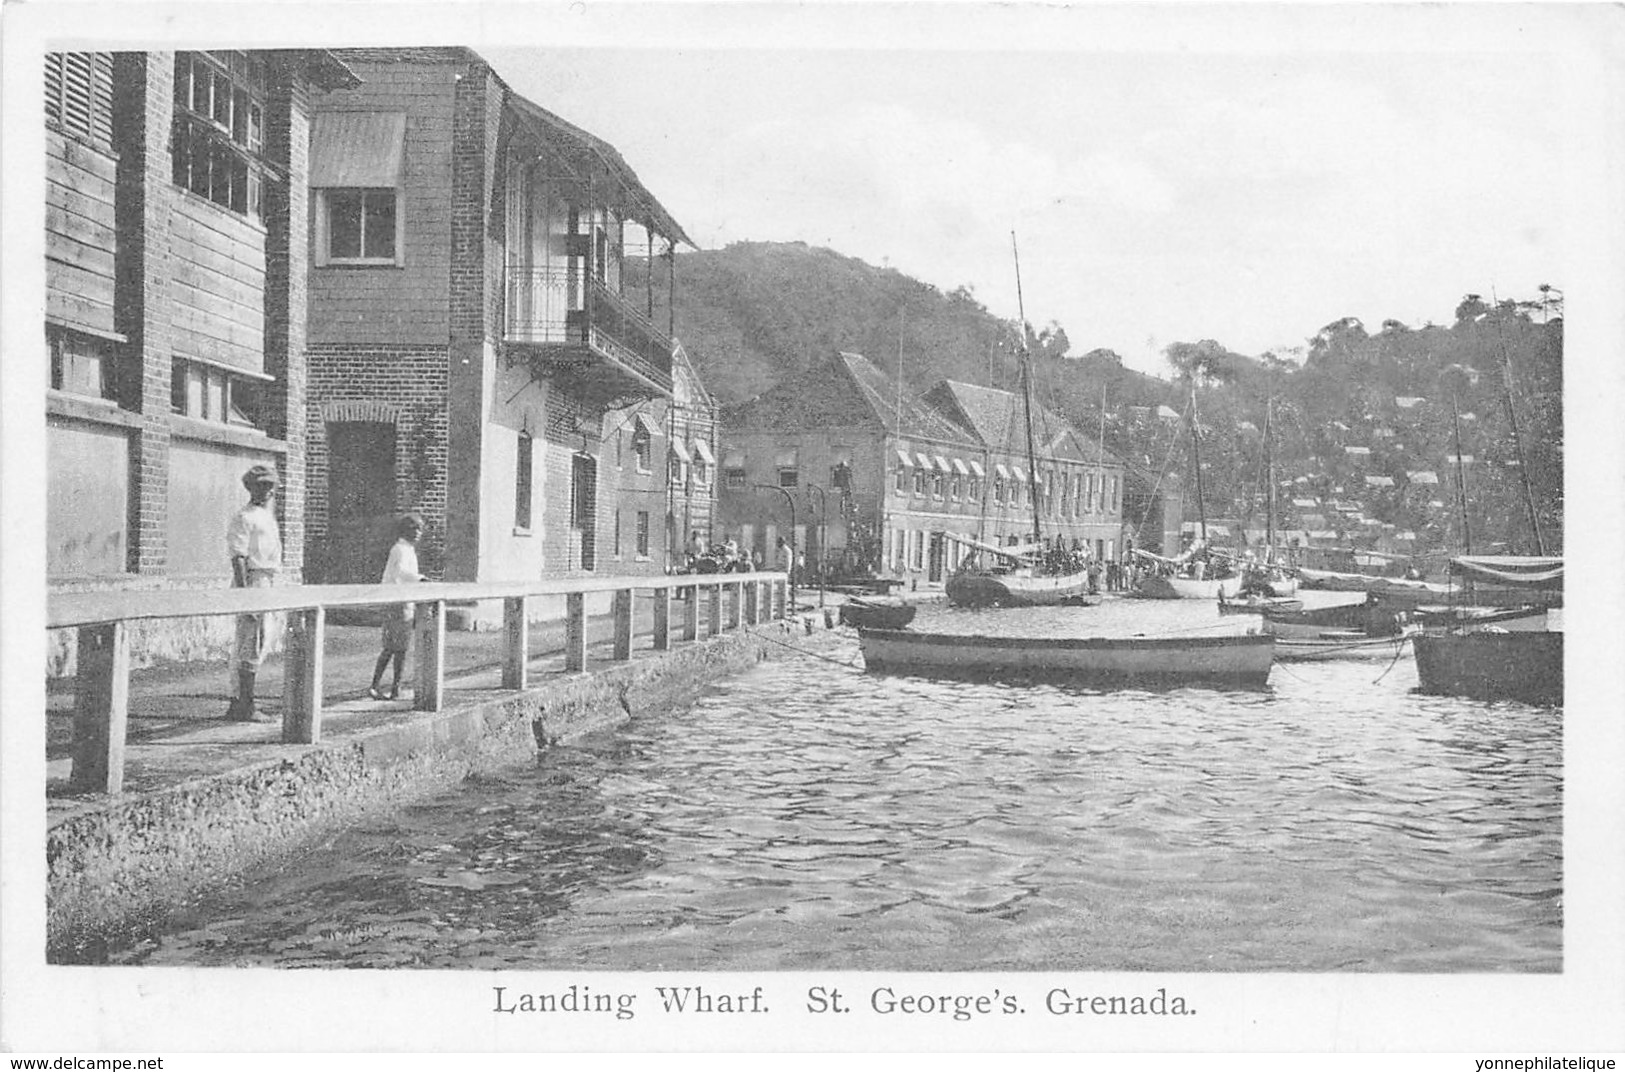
x=576, y=322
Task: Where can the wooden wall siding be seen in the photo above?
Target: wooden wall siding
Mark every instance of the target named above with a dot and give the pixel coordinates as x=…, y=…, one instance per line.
x=217, y=288
x=80, y=233
x=407, y=304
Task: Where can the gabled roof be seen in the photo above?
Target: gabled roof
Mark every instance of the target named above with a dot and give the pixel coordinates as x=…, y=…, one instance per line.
x=846, y=390
x=995, y=418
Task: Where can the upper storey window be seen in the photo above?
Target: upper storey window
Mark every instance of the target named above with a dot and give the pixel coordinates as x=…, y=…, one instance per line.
x=220, y=128
x=79, y=95
x=355, y=171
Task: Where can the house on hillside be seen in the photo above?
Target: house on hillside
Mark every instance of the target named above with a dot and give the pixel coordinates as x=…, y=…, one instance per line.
x=475, y=354
x=176, y=217
x=868, y=479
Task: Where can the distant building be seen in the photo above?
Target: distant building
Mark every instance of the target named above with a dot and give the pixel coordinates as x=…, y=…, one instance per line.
x=693, y=459
x=477, y=351
x=898, y=473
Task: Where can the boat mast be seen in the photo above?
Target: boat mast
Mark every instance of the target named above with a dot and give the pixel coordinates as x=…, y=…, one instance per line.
x=1269, y=475
x=1100, y=450
x=1196, y=457
x=1027, y=395
x=1517, y=440
x=1461, y=475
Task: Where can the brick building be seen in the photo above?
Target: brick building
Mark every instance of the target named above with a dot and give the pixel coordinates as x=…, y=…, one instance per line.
x=473, y=352
x=899, y=471
x=176, y=214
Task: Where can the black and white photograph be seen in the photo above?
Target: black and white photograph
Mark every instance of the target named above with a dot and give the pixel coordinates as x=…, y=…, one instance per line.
x=805, y=527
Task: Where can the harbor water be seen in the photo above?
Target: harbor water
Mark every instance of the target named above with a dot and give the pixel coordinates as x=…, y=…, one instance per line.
x=808, y=815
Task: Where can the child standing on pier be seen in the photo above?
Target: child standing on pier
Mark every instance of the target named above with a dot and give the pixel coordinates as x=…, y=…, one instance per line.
x=402, y=568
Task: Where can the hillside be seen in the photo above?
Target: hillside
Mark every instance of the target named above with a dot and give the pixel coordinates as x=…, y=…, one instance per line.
x=1358, y=425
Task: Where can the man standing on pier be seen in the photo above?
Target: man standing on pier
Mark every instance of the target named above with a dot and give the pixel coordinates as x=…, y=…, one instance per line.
x=255, y=546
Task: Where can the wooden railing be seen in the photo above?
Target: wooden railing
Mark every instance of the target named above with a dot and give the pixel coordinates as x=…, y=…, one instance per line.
x=102, y=687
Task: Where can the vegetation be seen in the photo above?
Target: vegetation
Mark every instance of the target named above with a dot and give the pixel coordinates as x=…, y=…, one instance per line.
x=752, y=314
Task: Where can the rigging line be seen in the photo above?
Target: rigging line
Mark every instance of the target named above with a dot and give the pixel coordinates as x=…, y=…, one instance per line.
x=850, y=665
x=1399, y=649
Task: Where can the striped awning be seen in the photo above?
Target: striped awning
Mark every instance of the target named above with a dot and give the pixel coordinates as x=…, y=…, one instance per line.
x=976, y=467
x=1019, y=473
x=942, y=463
x=925, y=461
x=703, y=449
x=356, y=149
x=959, y=467
x=1001, y=471
x=680, y=448
x=648, y=424
x=904, y=460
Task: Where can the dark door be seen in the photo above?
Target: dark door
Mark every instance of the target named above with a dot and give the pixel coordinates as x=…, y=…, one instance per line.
x=360, y=500
x=935, y=561
x=584, y=508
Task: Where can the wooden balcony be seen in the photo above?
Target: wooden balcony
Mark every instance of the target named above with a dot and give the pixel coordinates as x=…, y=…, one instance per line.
x=576, y=331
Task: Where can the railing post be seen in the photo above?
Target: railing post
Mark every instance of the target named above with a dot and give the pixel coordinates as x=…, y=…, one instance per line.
x=515, y=642
x=623, y=624
x=430, y=624
x=691, y=614
x=662, y=619
x=715, y=625
x=753, y=602
x=781, y=597
x=575, y=631
x=735, y=608
x=302, y=676
x=101, y=708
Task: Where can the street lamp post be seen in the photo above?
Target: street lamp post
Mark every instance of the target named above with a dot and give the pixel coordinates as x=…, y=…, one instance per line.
x=823, y=534
x=790, y=500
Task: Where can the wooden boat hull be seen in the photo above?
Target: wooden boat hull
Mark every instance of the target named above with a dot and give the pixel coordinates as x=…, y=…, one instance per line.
x=868, y=614
x=1337, y=646
x=1157, y=587
x=975, y=588
x=1259, y=606
x=1526, y=666
x=1372, y=620
x=1528, y=619
x=1228, y=660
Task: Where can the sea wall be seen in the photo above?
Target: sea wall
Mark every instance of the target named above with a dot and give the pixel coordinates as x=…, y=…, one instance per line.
x=118, y=868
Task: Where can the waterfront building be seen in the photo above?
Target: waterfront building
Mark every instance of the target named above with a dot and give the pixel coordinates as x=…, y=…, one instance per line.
x=477, y=351
x=175, y=316
x=693, y=458
x=877, y=476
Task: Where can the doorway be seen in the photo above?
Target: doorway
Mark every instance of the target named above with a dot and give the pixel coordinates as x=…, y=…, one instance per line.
x=584, y=508
x=360, y=500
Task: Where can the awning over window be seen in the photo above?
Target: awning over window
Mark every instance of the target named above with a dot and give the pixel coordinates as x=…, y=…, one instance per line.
x=959, y=467
x=942, y=463
x=925, y=461
x=1000, y=471
x=357, y=149
x=904, y=460
x=680, y=448
x=702, y=450
x=1019, y=473
x=976, y=467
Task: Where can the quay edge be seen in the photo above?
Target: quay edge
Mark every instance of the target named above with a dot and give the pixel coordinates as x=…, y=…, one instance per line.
x=116, y=869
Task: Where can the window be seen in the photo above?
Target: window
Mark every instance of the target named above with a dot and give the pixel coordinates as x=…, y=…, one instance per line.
x=998, y=490
x=936, y=485
x=701, y=472
x=643, y=534
x=81, y=364
x=919, y=481
x=840, y=476
x=219, y=130
x=617, y=544
x=676, y=467
x=1114, y=493
x=641, y=447
x=362, y=226
x=900, y=481
x=975, y=493
x=208, y=393
x=733, y=477
x=522, y=480
x=789, y=478
x=79, y=95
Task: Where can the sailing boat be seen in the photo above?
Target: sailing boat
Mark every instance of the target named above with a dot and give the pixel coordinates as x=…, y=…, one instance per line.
x=1514, y=655
x=1186, y=577
x=1011, y=576
x=1266, y=584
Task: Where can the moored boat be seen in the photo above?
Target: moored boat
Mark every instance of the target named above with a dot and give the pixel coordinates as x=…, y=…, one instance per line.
x=1257, y=604
x=1240, y=661
x=1338, y=644
x=1484, y=665
x=877, y=613
x=1160, y=586
x=970, y=586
